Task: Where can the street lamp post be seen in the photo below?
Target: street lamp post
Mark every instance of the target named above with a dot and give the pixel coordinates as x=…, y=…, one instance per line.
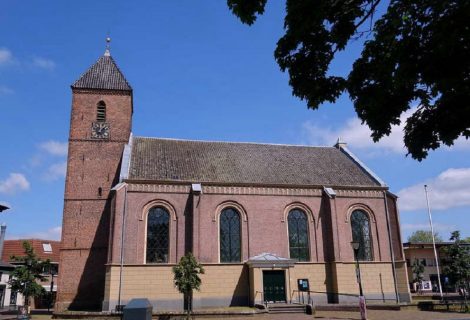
x=362, y=300
x=51, y=291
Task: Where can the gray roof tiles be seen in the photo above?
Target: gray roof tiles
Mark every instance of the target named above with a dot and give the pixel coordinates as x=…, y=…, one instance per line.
x=243, y=163
x=104, y=74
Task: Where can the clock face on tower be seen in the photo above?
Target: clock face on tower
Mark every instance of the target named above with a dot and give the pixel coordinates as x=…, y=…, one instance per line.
x=100, y=130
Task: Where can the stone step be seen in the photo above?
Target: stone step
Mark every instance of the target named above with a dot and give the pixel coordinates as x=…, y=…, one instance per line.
x=286, y=308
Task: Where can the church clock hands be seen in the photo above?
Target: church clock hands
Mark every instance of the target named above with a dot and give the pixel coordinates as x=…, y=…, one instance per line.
x=100, y=130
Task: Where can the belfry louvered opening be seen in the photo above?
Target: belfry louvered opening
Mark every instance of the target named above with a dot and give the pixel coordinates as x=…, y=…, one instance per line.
x=101, y=112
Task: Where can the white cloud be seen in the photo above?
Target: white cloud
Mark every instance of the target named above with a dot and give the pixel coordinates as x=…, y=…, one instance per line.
x=357, y=135
x=5, y=56
x=461, y=144
x=43, y=63
x=440, y=227
x=5, y=90
x=449, y=189
x=55, y=148
x=14, y=183
x=56, y=171
x=50, y=234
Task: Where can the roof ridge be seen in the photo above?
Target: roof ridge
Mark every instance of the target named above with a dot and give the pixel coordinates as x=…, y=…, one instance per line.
x=236, y=142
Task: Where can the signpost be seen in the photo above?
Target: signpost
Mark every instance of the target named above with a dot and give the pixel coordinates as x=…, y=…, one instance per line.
x=303, y=286
x=22, y=313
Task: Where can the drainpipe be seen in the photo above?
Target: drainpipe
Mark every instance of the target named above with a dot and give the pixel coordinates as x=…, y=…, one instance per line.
x=123, y=227
x=397, y=297
x=3, y=230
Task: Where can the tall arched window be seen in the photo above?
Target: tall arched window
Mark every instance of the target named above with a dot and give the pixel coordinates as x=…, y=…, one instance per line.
x=158, y=235
x=360, y=226
x=298, y=235
x=230, y=239
x=101, y=112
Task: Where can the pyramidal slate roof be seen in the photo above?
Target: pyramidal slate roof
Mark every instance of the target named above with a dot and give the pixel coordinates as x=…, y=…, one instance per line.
x=243, y=163
x=104, y=74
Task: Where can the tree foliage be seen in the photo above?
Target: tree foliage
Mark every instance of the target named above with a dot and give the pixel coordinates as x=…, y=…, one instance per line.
x=186, y=277
x=457, y=261
x=418, y=270
x=415, y=54
x=30, y=270
x=466, y=240
x=423, y=236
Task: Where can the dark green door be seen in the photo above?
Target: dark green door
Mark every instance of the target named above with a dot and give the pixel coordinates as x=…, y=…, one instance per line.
x=274, y=286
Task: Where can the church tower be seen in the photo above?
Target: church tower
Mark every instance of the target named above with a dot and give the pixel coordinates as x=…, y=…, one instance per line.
x=100, y=126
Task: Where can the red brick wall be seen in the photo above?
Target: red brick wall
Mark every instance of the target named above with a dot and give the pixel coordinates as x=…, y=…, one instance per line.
x=92, y=164
x=118, y=113
x=135, y=232
x=395, y=227
x=264, y=230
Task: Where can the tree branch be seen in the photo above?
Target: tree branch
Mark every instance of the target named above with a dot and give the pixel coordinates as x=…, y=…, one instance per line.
x=368, y=14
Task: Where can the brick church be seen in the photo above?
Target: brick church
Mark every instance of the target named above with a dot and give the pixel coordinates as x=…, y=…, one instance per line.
x=267, y=221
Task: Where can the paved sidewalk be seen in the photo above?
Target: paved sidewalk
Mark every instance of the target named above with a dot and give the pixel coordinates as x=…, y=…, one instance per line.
x=371, y=315
x=338, y=315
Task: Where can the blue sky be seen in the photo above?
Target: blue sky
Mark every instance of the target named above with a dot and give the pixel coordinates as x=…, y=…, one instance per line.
x=197, y=73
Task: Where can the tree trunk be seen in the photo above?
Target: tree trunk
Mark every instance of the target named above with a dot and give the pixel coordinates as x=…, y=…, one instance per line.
x=26, y=303
x=188, y=305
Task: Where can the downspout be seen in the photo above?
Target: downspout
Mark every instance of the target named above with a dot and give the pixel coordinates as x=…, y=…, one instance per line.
x=397, y=297
x=123, y=225
x=3, y=230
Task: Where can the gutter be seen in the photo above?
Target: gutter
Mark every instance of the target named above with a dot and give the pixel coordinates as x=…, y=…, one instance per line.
x=342, y=147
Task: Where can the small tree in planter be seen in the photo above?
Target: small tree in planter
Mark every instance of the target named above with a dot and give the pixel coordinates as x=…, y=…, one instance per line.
x=418, y=270
x=24, y=277
x=186, y=279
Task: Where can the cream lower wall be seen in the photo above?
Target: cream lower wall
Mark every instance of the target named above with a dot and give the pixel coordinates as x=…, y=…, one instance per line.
x=377, y=280
x=317, y=278
x=402, y=281
x=336, y=282
x=236, y=284
x=222, y=285
x=152, y=282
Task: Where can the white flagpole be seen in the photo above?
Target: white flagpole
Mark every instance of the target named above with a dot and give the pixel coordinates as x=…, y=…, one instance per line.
x=433, y=241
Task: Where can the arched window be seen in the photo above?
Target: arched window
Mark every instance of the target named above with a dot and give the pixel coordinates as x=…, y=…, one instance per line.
x=158, y=235
x=360, y=226
x=298, y=235
x=101, y=112
x=230, y=239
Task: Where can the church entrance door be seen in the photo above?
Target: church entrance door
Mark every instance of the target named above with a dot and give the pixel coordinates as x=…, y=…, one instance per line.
x=274, y=286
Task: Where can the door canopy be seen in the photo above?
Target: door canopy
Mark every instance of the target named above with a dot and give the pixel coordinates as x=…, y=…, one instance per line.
x=269, y=260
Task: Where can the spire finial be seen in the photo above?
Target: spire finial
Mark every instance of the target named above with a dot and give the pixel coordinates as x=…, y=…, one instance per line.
x=108, y=41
